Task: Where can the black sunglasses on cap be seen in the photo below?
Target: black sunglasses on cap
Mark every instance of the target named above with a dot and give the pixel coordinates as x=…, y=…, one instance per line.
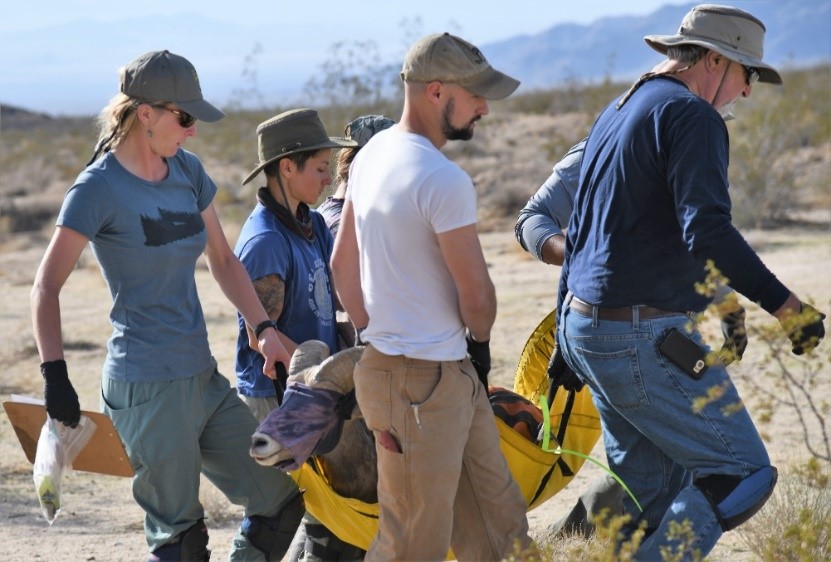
x=186, y=120
x=751, y=75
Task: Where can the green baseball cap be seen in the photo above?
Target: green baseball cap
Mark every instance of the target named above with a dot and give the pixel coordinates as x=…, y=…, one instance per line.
x=446, y=58
x=161, y=76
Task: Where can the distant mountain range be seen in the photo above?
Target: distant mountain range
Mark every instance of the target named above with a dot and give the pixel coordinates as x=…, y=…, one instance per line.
x=798, y=35
x=70, y=69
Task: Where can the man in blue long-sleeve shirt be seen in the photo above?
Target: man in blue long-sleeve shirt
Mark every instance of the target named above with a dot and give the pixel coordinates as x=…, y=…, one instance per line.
x=651, y=210
x=539, y=230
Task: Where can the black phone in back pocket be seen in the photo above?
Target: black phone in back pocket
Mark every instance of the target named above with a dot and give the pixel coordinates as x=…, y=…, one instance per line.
x=685, y=353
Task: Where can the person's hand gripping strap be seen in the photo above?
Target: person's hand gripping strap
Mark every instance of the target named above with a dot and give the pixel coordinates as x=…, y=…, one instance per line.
x=560, y=374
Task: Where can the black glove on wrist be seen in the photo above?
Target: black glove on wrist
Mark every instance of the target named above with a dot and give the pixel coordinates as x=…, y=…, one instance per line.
x=61, y=399
x=809, y=329
x=560, y=374
x=735, y=336
x=358, y=339
x=479, y=353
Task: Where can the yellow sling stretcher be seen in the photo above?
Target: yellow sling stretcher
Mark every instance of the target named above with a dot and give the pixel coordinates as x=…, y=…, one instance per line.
x=540, y=474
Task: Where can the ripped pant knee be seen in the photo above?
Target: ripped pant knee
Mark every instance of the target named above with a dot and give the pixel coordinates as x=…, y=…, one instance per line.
x=273, y=535
x=191, y=545
x=735, y=499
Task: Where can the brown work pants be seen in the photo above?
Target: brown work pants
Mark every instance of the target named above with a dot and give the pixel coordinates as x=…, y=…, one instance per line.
x=450, y=485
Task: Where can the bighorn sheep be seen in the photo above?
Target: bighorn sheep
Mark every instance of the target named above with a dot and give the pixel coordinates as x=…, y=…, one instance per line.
x=307, y=423
x=317, y=403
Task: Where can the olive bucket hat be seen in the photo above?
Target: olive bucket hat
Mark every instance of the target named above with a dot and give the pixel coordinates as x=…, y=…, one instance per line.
x=734, y=33
x=298, y=130
x=162, y=76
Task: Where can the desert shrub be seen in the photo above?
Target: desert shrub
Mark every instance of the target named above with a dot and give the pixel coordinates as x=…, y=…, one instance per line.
x=795, y=523
x=601, y=547
x=772, y=124
x=781, y=383
x=574, y=97
x=768, y=141
x=792, y=386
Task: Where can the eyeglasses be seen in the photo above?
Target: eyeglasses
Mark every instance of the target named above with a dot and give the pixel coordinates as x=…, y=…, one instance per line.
x=751, y=75
x=186, y=120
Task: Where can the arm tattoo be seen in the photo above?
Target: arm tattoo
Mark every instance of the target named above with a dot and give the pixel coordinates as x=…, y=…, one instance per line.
x=271, y=290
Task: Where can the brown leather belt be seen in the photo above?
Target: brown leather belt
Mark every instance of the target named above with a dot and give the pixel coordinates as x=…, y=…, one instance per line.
x=623, y=314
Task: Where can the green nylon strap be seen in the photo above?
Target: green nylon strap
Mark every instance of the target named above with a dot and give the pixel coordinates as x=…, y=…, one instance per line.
x=546, y=423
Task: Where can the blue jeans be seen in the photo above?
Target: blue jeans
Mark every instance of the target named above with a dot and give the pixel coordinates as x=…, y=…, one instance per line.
x=654, y=439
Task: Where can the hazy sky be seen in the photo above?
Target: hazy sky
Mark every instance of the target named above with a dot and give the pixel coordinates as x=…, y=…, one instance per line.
x=483, y=20
x=62, y=56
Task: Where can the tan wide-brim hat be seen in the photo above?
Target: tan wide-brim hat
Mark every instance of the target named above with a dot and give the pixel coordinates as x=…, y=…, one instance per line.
x=734, y=33
x=298, y=130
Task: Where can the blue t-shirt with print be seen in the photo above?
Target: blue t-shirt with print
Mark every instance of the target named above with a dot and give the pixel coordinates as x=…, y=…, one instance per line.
x=147, y=237
x=266, y=247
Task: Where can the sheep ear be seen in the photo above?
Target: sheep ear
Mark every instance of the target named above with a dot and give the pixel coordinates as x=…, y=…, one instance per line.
x=336, y=372
x=308, y=354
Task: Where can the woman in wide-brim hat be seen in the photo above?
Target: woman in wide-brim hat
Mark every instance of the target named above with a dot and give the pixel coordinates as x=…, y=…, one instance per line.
x=285, y=247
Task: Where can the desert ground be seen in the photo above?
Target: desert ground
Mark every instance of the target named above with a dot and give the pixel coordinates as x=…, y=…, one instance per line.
x=101, y=522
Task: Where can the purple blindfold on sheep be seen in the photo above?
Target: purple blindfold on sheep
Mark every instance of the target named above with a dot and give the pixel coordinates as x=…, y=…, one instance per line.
x=319, y=397
x=309, y=422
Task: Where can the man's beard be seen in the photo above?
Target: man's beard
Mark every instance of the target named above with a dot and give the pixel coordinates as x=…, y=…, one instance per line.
x=455, y=133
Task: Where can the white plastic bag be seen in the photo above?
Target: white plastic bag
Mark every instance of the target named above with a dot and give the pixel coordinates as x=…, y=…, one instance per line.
x=58, y=446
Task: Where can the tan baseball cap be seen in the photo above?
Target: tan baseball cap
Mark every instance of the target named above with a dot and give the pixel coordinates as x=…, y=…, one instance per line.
x=446, y=58
x=734, y=33
x=161, y=76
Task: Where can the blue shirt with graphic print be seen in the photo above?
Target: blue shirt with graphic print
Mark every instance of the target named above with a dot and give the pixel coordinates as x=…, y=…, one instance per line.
x=147, y=236
x=266, y=247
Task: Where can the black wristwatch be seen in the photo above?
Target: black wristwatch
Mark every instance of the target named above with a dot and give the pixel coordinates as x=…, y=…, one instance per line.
x=263, y=326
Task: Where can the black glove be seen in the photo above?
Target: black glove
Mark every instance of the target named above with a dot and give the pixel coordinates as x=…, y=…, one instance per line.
x=479, y=353
x=61, y=399
x=808, y=331
x=735, y=336
x=358, y=339
x=560, y=374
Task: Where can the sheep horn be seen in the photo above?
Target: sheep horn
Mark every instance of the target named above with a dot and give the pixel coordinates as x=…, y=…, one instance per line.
x=307, y=355
x=335, y=373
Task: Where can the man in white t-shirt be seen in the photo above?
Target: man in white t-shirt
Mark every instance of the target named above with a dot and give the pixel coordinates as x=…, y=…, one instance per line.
x=410, y=272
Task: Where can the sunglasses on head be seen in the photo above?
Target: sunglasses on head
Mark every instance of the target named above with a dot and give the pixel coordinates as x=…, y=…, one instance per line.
x=751, y=75
x=186, y=120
